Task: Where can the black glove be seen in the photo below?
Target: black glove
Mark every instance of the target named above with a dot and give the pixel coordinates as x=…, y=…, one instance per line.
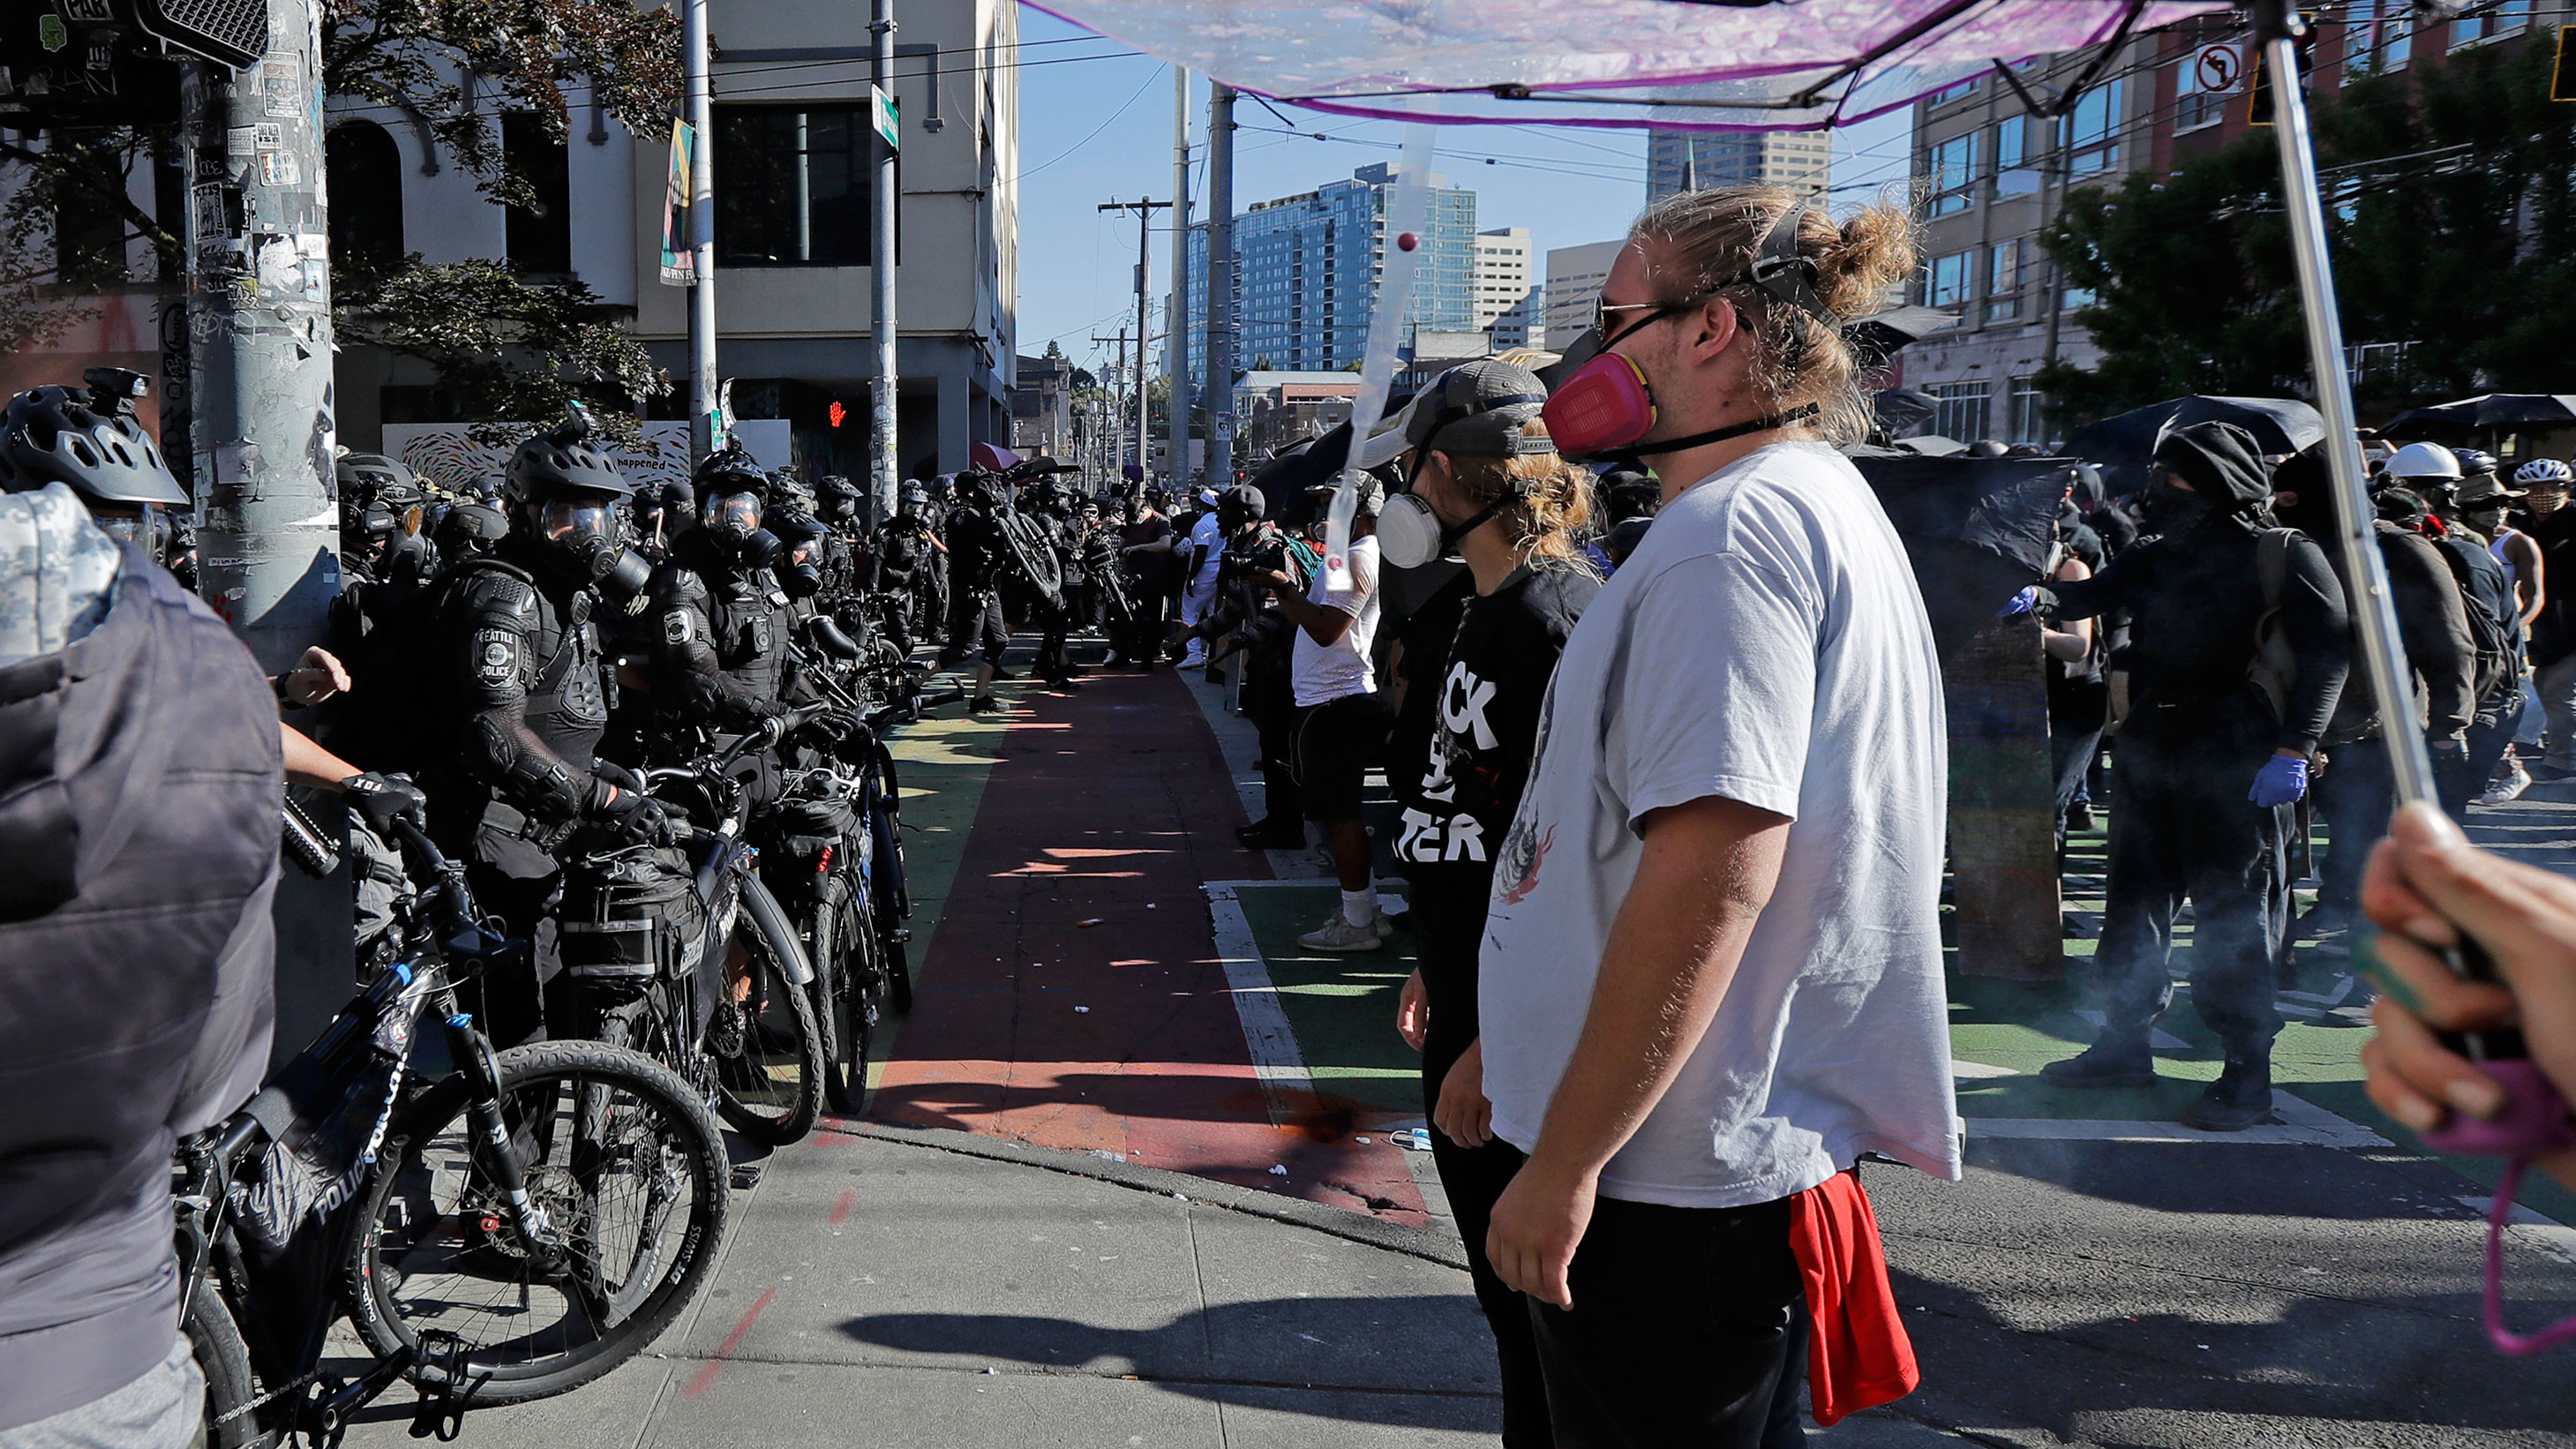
x=833, y=727
x=630, y=813
x=380, y=799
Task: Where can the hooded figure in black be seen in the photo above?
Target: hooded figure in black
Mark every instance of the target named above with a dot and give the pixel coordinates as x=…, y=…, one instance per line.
x=2209, y=761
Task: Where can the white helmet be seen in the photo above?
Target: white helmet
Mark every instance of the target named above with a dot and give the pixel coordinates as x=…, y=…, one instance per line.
x=2544, y=470
x=2422, y=460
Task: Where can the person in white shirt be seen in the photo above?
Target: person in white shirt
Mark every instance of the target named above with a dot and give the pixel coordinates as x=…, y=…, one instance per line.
x=1712, y=968
x=1207, y=550
x=1340, y=719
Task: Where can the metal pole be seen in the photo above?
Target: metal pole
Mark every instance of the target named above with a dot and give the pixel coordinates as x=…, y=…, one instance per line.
x=1179, y=324
x=1219, y=391
x=2374, y=610
x=259, y=313
x=885, y=470
x=703, y=424
x=1144, y=335
x=1126, y=379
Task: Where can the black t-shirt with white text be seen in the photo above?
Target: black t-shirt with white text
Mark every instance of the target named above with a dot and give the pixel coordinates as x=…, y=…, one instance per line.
x=1459, y=794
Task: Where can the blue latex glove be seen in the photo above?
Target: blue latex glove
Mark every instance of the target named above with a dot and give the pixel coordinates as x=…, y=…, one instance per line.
x=2022, y=603
x=2283, y=780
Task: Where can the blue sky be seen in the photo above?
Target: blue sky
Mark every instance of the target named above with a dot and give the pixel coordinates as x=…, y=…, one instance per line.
x=1096, y=124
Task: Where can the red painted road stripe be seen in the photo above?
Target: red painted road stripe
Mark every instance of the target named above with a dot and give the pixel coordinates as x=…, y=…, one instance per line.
x=732, y=1341
x=841, y=1208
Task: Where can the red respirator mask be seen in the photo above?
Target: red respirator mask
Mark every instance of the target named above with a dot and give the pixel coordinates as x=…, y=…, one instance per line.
x=1606, y=406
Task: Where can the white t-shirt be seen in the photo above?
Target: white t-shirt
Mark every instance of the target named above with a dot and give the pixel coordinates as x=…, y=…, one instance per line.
x=1207, y=534
x=1765, y=643
x=1319, y=672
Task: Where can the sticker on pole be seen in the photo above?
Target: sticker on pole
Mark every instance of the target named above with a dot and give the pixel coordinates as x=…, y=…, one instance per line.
x=2218, y=68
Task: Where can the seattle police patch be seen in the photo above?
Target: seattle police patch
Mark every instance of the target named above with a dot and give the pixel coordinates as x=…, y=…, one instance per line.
x=496, y=656
x=675, y=627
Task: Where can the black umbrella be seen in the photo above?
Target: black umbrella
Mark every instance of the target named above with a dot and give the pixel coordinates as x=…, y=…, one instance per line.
x=2498, y=411
x=2125, y=446
x=1903, y=411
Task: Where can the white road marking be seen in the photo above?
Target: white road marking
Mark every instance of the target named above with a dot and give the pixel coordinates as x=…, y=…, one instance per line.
x=1978, y=1071
x=1286, y=1085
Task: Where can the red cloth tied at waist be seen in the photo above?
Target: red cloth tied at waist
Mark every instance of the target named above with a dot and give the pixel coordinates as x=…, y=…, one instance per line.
x=1858, y=1356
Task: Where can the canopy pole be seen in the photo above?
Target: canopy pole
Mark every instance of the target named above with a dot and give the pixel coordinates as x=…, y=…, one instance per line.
x=2374, y=612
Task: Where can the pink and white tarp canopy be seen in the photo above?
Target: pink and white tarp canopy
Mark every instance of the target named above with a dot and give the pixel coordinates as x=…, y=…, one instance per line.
x=1683, y=64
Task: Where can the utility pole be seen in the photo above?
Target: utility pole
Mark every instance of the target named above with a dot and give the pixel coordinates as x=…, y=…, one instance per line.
x=1220, y=286
x=1179, y=325
x=886, y=472
x=259, y=313
x=1109, y=430
x=259, y=324
x=1144, y=207
x=705, y=428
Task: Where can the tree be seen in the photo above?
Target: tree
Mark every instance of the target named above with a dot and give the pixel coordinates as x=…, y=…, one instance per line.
x=450, y=69
x=2465, y=255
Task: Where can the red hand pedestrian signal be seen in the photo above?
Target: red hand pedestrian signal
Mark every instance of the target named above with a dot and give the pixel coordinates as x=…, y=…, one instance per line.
x=838, y=412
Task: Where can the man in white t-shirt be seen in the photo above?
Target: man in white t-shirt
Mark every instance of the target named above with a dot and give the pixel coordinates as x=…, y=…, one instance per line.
x=1340, y=720
x=1711, y=977
x=1207, y=549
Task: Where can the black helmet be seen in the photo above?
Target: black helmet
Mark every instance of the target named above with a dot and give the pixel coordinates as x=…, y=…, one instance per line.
x=375, y=478
x=566, y=459
x=2474, y=461
x=833, y=485
x=976, y=490
x=90, y=441
x=470, y=528
x=790, y=491
x=730, y=471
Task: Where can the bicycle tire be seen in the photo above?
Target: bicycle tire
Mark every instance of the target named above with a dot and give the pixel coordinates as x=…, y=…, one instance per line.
x=386, y=1279
x=826, y=985
x=842, y=931
x=231, y=1386
x=780, y=1009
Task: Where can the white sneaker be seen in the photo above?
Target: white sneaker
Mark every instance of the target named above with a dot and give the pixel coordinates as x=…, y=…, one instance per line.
x=1338, y=934
x=2508, y=788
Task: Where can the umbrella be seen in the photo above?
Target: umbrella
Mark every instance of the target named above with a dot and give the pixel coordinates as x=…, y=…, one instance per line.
x=2126, y=444
x=1731, y=66
x=2496, y=411
x=1903, y=410
x=1876, y=339
x=1929, y=445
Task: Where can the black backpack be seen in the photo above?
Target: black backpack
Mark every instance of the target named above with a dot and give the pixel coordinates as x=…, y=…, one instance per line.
x=2477, y=573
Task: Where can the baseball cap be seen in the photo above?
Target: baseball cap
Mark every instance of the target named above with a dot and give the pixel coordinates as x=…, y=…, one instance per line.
x=1483, y=409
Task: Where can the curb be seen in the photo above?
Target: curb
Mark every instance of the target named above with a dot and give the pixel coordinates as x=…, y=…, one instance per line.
x=1429, y=1244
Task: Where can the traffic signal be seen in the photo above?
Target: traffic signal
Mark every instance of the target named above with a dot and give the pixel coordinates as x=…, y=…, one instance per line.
x=837, y=412
x=233, y=32
x=2562, y=76
x=97, y=63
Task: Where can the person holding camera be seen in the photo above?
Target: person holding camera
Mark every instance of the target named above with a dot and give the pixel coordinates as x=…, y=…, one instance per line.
x=1254, y=551
x=1340, y=720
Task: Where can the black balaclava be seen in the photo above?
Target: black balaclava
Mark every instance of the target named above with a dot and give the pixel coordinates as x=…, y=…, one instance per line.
x=2225, y=469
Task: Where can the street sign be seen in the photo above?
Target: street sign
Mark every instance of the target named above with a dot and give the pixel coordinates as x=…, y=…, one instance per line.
x=2218, y=68
x=889, y=116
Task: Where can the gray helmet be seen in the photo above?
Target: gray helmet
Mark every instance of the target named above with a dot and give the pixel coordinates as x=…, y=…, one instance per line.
x=375, y=478
x=91, y=442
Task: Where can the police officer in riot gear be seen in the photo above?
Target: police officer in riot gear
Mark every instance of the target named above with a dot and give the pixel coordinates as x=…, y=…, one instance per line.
x=521, y=671
x=979, y=558
x=384, y=515
x=904, y=548
x=718, y=614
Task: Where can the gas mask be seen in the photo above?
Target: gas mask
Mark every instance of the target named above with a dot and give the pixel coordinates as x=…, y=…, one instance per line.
x=147, y=528
x=800, y=578
x=583, y=532
x=731, y=518
x=1410, y=534
x=1607, y=405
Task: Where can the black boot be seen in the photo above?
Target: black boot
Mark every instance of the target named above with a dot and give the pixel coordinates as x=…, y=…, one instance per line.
x=2115, y=1059
x=2241, y=1097
x=1272, y=834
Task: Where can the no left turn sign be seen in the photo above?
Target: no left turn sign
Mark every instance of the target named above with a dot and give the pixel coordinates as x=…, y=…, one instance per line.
x=2218, y=67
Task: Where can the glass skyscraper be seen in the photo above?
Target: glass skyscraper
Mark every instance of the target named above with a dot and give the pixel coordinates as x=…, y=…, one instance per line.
x=1308, y=267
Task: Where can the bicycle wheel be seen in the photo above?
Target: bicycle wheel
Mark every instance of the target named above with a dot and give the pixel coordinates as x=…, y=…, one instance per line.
x=639, y=1195
x=767, y=1050
x=843, y=934
x=231, y=1388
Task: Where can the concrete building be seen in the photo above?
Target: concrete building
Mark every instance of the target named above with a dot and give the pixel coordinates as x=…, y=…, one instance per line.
x=1979, y=160
x=1678, y=160
x=1274, y=410
x=1524, y=322
x=1502, y=272
x=1308, y=267
x=1574, y=278
x=794, y=193
x=1042, y=406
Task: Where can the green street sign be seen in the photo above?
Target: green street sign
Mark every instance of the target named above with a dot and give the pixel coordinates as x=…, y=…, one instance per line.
x=889, y=117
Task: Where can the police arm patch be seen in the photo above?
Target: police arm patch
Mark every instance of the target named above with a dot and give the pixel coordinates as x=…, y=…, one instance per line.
x=677, y=628
x=496, y=657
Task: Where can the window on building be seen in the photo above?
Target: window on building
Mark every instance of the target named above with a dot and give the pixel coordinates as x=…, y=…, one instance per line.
x=1951, y=166
x=2194, y=109
x=793, y=188
x=539, y=237
x=365, y=178
x=1959, y=409
x=1947, y=281
x=2029, y=413
x=2093, y=131
x=2003, y=280
x=2383, y=35
x=2011, y=142
x=1954, y=90
x=2489, y=22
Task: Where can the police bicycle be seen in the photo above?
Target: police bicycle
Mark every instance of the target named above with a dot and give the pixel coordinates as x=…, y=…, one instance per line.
x=680, y=950
x=438, y=1193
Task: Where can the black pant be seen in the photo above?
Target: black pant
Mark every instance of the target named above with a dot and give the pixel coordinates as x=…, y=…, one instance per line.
x=1266, y=698
x=1688, y=1329
x=2181, y=826
x=2460, y=781
x=1448, y=926
x=2355, y=793
x=978, y=622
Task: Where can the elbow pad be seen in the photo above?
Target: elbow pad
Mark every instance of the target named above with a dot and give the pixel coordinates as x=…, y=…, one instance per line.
x=527, y=774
